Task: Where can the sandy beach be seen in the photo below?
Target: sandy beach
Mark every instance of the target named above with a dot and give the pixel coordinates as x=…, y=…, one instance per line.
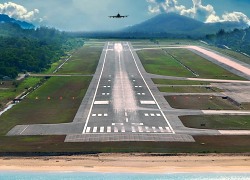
x=130, y=163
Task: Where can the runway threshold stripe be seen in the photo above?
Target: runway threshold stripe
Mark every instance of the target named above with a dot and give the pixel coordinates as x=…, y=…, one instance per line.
x=140, y=129
x=101, y=129
x=95, y=129
x=88, y=129
x=109, y=129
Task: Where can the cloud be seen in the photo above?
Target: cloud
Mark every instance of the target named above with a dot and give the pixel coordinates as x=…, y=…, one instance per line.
x=19, y=12
x=204, y=13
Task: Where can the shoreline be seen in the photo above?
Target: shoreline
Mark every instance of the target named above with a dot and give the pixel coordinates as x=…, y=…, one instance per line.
x=127, y=163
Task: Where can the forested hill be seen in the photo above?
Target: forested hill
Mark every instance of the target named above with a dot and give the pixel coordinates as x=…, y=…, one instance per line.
x=31, y=50
x=238, y=40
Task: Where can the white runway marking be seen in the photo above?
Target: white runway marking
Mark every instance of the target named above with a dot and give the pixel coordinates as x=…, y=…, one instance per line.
x=113, y=124
x=146, y=114
x=161, y=129
x=140, y=129
x=85, y=126
x=105, y=115
x=126, y=119
x=24, y=129
x=158, y=115
x=99, y=115
x=93, y=115
x=168, y=129
x=147, y=102
x=88, y=129
x=137, y=124
x=109, y=129
x=101, y=102
x=150, y=90
x=152, y=114
x=133, y=129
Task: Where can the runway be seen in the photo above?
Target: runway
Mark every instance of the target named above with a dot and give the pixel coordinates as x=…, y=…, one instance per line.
x=123, y=101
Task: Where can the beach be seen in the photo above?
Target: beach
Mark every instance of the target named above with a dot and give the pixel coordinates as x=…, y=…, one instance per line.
x=129, y=163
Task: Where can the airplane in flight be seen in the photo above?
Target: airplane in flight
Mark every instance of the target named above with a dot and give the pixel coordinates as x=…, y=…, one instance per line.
x=118, y=16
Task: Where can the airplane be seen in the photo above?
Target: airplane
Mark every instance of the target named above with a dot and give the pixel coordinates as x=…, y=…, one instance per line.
x=118, y=16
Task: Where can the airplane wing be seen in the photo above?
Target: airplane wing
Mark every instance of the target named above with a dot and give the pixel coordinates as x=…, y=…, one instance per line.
x=112, y=16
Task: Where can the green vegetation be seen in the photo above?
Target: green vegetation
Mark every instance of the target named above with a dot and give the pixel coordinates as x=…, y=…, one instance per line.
x=15, y=88
x=36, y=108
x=50, y=144
x=32, y=50
x=182, y=62
x=238, y=40
x=179, y=82
x=158, y=62
x=201, y=102
x=188, y=89
x=84, y=61
x=201, y=66
x=217, y=122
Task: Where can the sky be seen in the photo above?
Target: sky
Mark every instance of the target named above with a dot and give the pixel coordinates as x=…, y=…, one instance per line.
x=92, y=15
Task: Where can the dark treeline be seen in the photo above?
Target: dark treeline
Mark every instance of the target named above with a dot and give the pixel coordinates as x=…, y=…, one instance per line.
x=238, y=39
x=31, y=50
x=129, y=35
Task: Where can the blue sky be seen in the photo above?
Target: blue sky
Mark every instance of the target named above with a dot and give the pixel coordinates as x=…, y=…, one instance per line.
x=88, y=15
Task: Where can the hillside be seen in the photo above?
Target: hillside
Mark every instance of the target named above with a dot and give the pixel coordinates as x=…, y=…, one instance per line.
x=172, y=23
x=238, y=40
x=6, y=19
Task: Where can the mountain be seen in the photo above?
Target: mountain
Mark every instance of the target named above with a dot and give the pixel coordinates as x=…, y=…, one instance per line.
x=172, y=23
x=6, y=19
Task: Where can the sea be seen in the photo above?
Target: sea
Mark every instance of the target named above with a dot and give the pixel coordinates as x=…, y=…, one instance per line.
x=121, y=176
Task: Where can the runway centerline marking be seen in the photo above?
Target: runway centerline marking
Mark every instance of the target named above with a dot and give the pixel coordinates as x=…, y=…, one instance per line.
x=150, y=90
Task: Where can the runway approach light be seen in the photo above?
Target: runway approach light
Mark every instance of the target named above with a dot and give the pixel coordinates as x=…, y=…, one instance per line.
x=118, y=47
